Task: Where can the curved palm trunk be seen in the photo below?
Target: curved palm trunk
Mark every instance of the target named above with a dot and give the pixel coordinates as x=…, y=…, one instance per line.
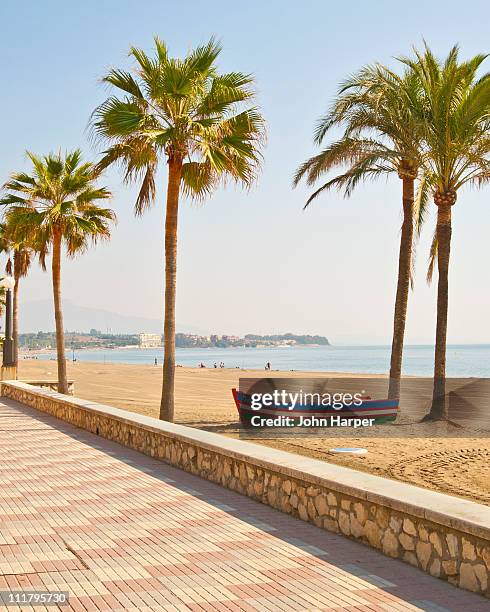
x=402, y=289
x=439, y=408
x=58, y=315
x=173, y=189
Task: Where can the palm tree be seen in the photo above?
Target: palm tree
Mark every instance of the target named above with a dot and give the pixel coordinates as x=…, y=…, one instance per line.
x=22, y=256
x=184, y=112
x=56, y=205
x=456, y=113
x=378, y=111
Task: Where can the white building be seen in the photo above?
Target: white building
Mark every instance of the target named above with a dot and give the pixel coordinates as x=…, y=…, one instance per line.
x=147, y=340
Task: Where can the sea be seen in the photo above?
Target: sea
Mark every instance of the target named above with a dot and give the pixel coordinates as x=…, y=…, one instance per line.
x=463, y=360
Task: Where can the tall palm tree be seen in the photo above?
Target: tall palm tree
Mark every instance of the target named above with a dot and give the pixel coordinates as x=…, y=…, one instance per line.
x=56, y=205
x=456, y=113
x=378, y=111
x=22, y=256
x=184, y=112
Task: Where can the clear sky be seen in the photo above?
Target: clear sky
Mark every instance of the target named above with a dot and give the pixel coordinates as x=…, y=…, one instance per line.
x=248, y=261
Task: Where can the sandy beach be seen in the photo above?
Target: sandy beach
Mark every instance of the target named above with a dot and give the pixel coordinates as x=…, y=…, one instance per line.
x=459, y=465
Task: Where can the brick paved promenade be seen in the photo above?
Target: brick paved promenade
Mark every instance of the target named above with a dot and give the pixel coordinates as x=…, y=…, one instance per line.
x=121, y=531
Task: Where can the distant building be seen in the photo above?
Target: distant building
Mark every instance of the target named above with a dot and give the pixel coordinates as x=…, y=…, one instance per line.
x=147, y=340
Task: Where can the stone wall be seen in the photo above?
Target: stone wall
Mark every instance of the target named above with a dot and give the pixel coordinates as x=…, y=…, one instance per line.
x=51, y=384
x=444, y=536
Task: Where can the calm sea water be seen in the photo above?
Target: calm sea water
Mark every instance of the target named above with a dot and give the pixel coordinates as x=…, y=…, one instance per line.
x=462, y=360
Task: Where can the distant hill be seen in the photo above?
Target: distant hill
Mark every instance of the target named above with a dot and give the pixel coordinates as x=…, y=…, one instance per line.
x=38, y=316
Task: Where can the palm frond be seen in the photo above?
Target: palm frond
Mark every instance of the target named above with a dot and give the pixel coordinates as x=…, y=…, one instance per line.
x=203, y=58
x=348, y=181
x=147, y=192
x=179, y=107
x=60, y=195
x=432, y=259
x=118, y=118
x=421, y=203
x=161, y=49
x=124, y=81
x=198, y=179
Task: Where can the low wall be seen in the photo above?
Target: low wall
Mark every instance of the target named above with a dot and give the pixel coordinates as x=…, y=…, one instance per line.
x=51, y=384
x=444, y=536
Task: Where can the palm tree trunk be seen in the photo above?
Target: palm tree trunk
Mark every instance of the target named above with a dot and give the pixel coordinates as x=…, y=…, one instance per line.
x=438, y=410
x=402, y=289
x=15, y=309
x=173, y=189
x=58, y=315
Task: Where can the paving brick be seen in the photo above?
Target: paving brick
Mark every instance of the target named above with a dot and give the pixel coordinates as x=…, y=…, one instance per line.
x=121, y=531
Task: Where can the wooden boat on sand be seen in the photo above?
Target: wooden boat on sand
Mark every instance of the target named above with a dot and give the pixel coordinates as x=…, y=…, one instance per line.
x=311, y=415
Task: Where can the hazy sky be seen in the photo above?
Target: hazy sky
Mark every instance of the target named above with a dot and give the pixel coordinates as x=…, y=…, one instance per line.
x=248, y=261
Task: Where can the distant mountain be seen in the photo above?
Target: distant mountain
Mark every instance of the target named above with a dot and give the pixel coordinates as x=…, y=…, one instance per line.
x=38, y=316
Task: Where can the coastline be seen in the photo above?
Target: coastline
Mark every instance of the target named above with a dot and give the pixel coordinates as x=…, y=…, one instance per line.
x=463, y=361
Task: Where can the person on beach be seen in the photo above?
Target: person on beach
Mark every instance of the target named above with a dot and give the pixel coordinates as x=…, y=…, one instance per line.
x=156, y=361
x=268, y=365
